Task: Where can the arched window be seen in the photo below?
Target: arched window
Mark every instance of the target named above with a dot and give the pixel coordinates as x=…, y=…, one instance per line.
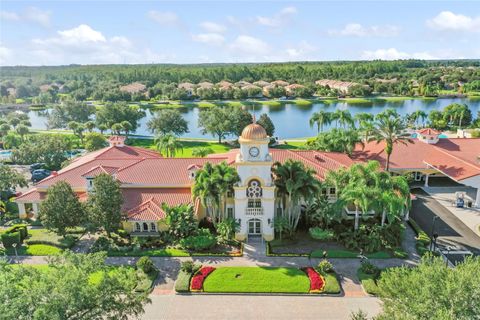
x=145, y=226
x=153, y=227
x=137, y=227
x=254, y=189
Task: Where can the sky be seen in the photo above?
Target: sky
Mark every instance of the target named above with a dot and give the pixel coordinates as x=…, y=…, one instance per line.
x=113, y=32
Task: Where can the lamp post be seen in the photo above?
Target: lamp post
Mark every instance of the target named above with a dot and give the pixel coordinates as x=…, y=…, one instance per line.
x=435, y=236
x=433, y=229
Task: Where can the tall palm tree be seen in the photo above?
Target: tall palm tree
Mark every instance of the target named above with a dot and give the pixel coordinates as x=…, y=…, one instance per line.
x=389, y=127
x=420, y=114
x=206, y=189
x=295, y=183
x=168, y=143
x=360, y=196
x=363, y=117
x=344, y=117
x=226, y=177
x=320, y=119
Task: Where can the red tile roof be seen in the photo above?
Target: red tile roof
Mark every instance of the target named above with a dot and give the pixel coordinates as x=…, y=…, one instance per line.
x=95, y=171
x=428, y=131
x=457, y=158
x=140, y=203
x=31, y=195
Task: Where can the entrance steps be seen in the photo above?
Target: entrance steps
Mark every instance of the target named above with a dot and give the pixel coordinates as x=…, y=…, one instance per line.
x=254, y=248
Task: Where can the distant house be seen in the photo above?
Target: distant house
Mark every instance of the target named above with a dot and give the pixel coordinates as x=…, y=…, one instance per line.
x=341, y=86
x=253, y=87
x=261, y=83
x=280, y=83
x=224, y=84
x=242, y=84
x=291, y=88
x=187, y=86
x=205, y=85
x=135, y=87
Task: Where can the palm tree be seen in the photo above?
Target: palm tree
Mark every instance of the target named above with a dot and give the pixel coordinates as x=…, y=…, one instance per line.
x=225, y=178
x=168, y=143
x=295, y=183
x=205, y=188
x=344, y=117
x=22, y=130
x=90, y=125
x=367, y=129
x=420, y=114
x=389, y=127
x=363, y=117
x=359, y=195
x=320, y=118
x=201, y=152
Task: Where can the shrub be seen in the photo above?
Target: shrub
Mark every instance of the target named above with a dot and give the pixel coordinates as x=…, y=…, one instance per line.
x=321, y=234
x=203, y=241
x=122, y=233
x=187, y=266
x=21, y=228
x=146, y=265
x=325, y=266
x=183, y=282
x=11, y=238
x=369, y=268
x=370, y=286
x=102, y=244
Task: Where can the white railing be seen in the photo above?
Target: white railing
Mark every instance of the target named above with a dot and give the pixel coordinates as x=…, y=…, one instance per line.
x=254, y=211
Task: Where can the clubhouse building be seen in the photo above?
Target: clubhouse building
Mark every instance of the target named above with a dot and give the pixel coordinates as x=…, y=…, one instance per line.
x=148, y=180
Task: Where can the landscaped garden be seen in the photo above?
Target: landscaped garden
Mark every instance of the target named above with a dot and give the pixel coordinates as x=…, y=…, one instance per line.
x=18, y=240
x=195, y=278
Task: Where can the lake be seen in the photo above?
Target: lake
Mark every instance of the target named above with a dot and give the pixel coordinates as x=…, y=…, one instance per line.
x=292, y=121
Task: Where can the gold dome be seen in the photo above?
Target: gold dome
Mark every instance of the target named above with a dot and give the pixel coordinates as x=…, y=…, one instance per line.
x=254, y=131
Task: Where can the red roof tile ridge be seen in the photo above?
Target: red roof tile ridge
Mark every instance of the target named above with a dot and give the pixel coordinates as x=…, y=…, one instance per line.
x=315, y=153
x=26, y=193
x=144, y=150
x=131, y=164
x=457, y=158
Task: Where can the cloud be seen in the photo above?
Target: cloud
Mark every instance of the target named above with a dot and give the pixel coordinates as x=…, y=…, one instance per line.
x=449, y=21
x=300, y=51
x=30, y=14
x=209, y=38
x=280, y=19
x=358, y=30
x=213, y=27
x=165, y=18
x=249, y=45
x=394, y=54
x=82, y=45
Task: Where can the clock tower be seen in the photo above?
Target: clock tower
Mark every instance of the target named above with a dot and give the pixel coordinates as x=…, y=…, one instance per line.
x=255, y=194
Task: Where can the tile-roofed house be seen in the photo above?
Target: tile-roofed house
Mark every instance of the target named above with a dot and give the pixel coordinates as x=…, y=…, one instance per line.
x=242, y=83
x=261, y=83
x=135, y=87
x=205, y=85
x=290, y=89
x=280, y=83
x=225, y=83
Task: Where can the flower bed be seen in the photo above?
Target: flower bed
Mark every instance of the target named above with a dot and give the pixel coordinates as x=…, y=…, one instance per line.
x=198, y=278
x=317, y=283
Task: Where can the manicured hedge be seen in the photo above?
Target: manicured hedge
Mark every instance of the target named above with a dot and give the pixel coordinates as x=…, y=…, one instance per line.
x=11, y=238
x=21, y=228
x=183, y=282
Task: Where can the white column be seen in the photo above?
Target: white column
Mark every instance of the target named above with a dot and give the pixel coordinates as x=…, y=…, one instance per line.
x=426, y=180
x=21, y=210
x=35, y=207
x=477, y=199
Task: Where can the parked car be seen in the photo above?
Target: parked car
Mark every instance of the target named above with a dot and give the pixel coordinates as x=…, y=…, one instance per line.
x=36, y=166
x=40, y=174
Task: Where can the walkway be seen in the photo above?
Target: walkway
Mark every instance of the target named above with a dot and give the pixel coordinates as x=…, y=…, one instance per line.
x=213, y=307
x=84, y=243
x=451, y=230
x=446, y=195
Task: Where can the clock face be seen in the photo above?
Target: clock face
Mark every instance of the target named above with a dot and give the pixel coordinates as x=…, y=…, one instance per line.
x=254, y=152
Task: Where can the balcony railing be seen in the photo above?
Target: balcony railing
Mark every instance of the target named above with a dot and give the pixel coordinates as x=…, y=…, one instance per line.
x=254, y=211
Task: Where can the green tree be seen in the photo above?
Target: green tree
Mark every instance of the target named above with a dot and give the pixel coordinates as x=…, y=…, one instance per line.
x=11, y=140
x=168, y=121
x=180, y=220
x=48, y=149
x=105, y=203
x=89, y=125
x=295, y=183
x=61, y=209
x=335, y=140
x=127, y=127
x=68, y=111
x=68, y=290
x=14, y=122
x=78, y=129
x=267, y=124
x=320, y=119
x=215, y=121
x=4, y=128
x=168, y=145
x=116, y=128
x=22, y=131
x=431, y=291
x=389, y=127
x=343, y=117
x=95, y=141
x=112, y=113
x=201, y=152
x=11, y=179
x=239, y=119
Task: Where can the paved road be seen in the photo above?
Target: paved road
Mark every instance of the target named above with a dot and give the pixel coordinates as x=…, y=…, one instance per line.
x=451, y=230
x=239, y=307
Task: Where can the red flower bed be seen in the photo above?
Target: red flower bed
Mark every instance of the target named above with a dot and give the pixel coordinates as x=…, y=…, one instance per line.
x=199, y=277
x=316, y=280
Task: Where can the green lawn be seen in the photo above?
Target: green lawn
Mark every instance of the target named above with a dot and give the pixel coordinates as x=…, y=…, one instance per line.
x=368, y=281
x=257, y=280
x=188, y=146
x=332, y=285
x=35, y=250
x=43, y=236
